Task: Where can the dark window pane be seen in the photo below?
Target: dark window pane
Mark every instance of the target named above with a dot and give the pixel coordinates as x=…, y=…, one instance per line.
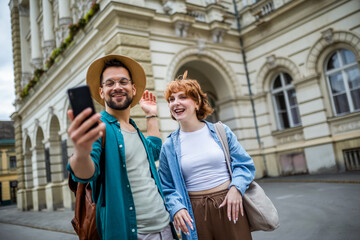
x=284, y=120
x=288, y=78
x=280, y=101
x=347, y=56
x=13, y=162
x=341, y=104
x=333, y=62
x=295, y=115
x=277, y=82
x=336, y=82
x=355, y=95
x=354, y=77
x=292, y=97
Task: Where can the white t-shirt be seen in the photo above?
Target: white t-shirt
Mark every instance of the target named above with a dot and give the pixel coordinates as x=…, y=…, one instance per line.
x=203, y=162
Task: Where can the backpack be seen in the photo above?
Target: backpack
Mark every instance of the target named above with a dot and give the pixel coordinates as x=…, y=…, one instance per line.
x=84, y=221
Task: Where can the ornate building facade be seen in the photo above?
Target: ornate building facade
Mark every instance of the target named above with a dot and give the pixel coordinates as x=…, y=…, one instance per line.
x=8, y=173
x=283, y=74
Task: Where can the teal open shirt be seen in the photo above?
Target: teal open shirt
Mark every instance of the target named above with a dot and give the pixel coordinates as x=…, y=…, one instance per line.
x=117, y=220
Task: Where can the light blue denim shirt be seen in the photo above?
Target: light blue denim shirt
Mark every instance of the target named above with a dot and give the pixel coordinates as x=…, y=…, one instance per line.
x=172, y=181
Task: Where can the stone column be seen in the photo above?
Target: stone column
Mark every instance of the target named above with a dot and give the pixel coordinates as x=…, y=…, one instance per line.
x=35, y=35
x=49, y=36
x=25, y=48
x=64, y=20
x=16, y=47
x=39, y=177
x=4, y=166
x=54, y=196
x=68, y=195
x=64, y=9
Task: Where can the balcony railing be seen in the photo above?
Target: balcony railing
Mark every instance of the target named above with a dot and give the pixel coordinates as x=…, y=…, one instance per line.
x=262, y=8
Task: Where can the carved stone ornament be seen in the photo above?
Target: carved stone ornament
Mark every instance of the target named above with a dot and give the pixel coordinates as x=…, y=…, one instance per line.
x=328, y=35
x=25, y=78
x=270, y=60
x=37, y=63
x=181, y=28
x=169, y=7
x=48, y=47
x=36, y=122
x=51, y=111
x=217, y=35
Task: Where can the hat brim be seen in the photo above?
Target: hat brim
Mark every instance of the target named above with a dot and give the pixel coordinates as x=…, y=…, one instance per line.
x=94, y=72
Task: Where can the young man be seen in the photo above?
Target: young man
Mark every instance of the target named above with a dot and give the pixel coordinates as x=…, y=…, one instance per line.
x=134, y=205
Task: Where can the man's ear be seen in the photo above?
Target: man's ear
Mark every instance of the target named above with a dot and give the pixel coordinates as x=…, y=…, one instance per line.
x=134, y=89
x=101, y=93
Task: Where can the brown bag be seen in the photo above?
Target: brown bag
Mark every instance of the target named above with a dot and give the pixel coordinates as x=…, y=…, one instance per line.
x=260, y=211
x=84, y=221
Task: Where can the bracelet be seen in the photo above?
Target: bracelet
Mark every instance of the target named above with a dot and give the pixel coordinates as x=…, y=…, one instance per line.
x=151, y=116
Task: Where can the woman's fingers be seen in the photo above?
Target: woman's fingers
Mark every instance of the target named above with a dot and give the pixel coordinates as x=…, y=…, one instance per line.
x=235, y=211
x=182, y=218
x=229, y=208
x=242, y=209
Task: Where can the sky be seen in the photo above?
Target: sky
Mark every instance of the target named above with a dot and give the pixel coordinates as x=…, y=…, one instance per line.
x=7, y=90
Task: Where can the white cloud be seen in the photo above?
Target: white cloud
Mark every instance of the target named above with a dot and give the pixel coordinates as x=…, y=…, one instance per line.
x=7, y=90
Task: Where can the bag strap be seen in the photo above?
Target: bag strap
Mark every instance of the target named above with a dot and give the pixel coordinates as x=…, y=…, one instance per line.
x=220, y=131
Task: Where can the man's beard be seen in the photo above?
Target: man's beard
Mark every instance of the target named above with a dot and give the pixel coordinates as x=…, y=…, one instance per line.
x=119, y=106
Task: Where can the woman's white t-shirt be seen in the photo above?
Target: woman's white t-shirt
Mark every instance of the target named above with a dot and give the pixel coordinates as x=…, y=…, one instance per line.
x=203, y=162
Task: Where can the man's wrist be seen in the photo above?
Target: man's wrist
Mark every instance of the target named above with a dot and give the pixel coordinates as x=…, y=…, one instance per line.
x=151, y=116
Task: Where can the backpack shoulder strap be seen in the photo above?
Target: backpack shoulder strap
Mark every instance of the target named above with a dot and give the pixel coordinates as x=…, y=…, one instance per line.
x=220, y=131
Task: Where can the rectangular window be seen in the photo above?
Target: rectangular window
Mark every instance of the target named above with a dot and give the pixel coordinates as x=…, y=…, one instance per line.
x=12, y=161
x=352, y=158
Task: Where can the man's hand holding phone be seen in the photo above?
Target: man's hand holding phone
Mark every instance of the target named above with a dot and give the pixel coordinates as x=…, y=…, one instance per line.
x=84, y=130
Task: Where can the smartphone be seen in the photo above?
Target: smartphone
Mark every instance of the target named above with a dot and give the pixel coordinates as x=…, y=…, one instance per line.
x=80, y=99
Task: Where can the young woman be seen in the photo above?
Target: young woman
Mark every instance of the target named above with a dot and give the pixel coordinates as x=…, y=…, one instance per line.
x=203, y=200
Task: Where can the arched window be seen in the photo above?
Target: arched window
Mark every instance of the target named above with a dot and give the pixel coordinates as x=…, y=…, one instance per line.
x=284, y=99
x=343, y=78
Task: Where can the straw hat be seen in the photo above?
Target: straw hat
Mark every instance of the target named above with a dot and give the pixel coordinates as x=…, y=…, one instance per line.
x=137, y=74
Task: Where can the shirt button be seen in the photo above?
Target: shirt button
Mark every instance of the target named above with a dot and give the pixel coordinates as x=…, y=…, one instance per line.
x=133, y=230
x=130, y=208
x=128, y=185
x=120, y=146
x=123, y=165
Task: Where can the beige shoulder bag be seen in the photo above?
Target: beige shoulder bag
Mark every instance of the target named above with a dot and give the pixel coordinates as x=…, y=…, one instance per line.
x=261, y=212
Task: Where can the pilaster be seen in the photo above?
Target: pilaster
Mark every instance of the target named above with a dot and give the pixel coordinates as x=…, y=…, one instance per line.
x=35, y=34
x=49, y=36
x=16, y=46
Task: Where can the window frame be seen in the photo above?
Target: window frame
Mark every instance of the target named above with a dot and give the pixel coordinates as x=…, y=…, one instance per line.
x=284, y=89
x=10, y=161
x=342, y=70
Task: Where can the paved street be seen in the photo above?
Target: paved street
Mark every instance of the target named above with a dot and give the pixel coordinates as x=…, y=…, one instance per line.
x=314, y=211
x=320, y=207
x=12, y=232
